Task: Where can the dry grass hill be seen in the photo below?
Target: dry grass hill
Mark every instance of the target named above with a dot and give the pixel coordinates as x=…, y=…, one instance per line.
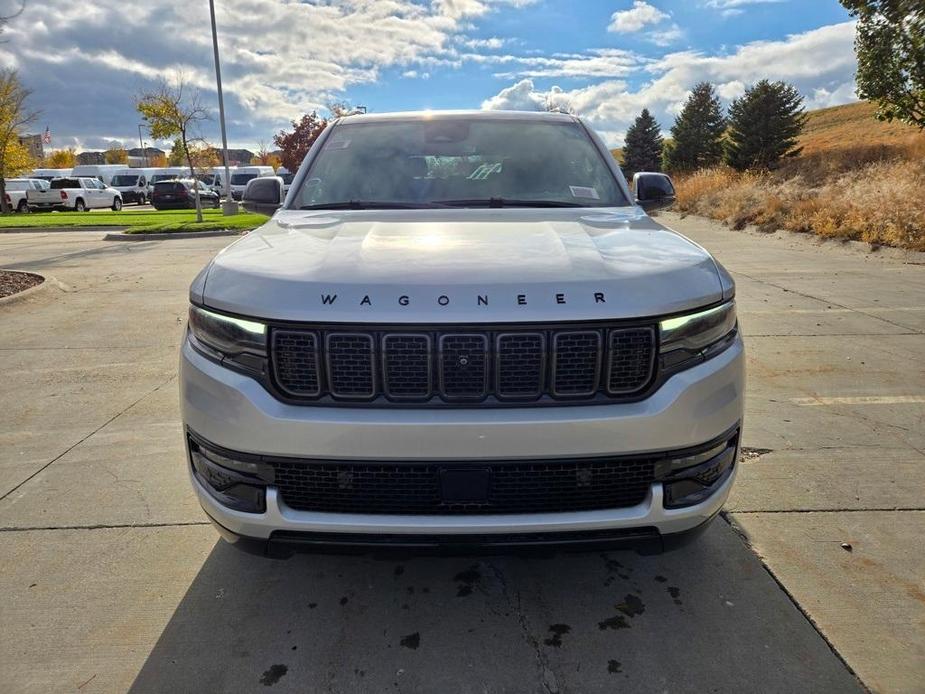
x=856, y=178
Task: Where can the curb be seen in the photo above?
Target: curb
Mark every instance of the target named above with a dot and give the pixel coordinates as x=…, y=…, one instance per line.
x=45, y=230
x=47, y=281
x=118, y=236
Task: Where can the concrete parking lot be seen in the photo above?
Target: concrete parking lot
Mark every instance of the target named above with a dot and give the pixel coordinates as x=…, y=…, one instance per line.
x=813, y=580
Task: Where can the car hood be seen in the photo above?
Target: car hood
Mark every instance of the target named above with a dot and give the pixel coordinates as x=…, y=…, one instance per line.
x=460, y=266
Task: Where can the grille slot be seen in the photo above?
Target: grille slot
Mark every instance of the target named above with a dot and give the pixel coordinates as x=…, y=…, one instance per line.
x=464, y=366
x=521, y=361
x=406, y=370
x=508, y=366
x=630, y=358
x=514, y=487
x=576, y=362
x=296, y=362
x=351, y=365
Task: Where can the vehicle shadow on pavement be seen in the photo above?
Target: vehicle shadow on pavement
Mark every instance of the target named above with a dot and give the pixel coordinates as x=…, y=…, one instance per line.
x=705, y=618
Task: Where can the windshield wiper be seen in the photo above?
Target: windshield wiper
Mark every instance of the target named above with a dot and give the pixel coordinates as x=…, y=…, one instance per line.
x=370, y=205
x=507, y=202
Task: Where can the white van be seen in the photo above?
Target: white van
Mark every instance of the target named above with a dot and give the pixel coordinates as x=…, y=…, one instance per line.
x=101, y=172
x=133, y=184
x=215, y=178
x=243, y=174
x=49, y=174
x=287, y=177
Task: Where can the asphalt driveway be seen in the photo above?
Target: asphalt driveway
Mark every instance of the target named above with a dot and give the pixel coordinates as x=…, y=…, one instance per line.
x=114, y=582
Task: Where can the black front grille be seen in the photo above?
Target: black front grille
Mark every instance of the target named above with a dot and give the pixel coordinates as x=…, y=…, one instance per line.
x=512, y=487
x=464, y=367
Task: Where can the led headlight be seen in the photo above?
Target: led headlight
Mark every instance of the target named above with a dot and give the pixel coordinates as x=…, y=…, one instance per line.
x=228, y=339
x=696, y=336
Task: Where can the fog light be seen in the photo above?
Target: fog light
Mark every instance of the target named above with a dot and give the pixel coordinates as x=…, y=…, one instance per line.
x=236, y=490
x=693, y=485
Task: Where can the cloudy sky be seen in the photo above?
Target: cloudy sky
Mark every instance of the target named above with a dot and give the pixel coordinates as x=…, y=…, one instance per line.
x=606, y=60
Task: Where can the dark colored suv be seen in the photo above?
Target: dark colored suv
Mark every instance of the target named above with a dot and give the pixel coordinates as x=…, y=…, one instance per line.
x=179, y=194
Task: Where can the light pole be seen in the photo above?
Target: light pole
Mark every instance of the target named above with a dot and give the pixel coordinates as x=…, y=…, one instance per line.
x=144, y=150
x=229, y=207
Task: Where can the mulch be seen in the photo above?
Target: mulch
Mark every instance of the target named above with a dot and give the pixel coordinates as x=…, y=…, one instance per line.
x=14, y=282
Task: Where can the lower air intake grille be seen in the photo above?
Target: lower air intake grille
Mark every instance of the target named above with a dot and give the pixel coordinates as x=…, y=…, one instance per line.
x=521, y=487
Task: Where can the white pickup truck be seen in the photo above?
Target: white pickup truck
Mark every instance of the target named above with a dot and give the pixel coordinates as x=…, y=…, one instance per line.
x=16, y=191
x=75, y=193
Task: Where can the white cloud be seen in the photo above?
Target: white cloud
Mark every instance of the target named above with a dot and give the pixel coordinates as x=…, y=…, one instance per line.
x=279, y=59
x=666, y=37
x=731, y=8
x=820, y=63
x=635, y=18
x=522, y=96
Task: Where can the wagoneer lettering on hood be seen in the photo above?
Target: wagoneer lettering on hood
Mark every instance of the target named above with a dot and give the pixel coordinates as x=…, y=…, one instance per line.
x=461, y=266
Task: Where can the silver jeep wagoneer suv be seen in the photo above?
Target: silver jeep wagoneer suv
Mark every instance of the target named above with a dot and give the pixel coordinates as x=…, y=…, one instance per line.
x=461, y=330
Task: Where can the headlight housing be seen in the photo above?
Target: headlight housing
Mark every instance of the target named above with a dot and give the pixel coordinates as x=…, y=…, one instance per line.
x=229, y=340
x=690, y=339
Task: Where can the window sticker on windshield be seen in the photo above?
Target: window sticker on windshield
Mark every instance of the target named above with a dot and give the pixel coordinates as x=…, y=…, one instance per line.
x=339, y=144
x=584, y=192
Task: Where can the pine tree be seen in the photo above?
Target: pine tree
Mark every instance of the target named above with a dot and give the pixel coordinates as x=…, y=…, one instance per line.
x=696, y=136
x=642, y=149
x=764, y=125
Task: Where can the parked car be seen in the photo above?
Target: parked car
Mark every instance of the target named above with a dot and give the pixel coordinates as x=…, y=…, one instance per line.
x=461, y=330
x=16, y=189
x=179, y=193
x=133, y=185
x=243, y=174
x=166, y=174
x=101, y=172
x=77, y=194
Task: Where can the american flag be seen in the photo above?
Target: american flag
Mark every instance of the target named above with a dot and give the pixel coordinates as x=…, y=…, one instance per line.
x=46, y=138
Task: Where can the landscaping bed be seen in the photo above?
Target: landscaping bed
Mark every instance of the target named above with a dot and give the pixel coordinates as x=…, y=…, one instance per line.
x=15, y=282
x=164, y=221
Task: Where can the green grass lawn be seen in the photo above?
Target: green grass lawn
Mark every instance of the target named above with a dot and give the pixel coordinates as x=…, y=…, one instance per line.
x=140, y=222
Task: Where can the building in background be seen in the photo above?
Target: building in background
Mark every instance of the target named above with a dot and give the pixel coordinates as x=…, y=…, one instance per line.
x=84, y=158
x=33, y=143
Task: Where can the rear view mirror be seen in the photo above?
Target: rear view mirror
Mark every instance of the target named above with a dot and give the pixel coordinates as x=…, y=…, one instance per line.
x=263, y=195
x=654, y=191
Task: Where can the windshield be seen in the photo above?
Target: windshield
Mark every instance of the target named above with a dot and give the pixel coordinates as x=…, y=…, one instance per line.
x=124, y=180
x=17, y=185
x=162, y=177
x=242, y=179
x=459, y=162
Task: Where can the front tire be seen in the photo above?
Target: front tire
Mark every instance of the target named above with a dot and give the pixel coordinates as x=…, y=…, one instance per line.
x=23, y=207
x=116, y=204
x=80, y=205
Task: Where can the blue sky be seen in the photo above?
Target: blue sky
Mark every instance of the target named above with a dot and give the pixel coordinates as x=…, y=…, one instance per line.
x=551, y=27
x=603, y=60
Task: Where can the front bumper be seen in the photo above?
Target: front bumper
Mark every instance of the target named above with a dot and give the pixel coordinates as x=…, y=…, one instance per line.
x=237, y=413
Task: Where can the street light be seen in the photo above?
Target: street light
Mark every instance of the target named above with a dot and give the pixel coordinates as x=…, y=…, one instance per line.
x=229, y=207
x=144, y=150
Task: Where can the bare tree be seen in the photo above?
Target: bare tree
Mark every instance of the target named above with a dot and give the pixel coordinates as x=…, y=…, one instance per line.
x=14, y=117
x=5, y=18
x=175, y=111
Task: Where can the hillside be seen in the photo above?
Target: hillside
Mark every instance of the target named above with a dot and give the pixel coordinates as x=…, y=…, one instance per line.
x=851, y=124
x=849, y=161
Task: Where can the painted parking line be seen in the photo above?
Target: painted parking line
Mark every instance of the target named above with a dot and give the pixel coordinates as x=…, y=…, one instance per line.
x=810, y=311
x=861, y=400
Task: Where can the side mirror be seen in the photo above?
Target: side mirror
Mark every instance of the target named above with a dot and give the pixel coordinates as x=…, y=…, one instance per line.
x=263, y=195
x=654, y=191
